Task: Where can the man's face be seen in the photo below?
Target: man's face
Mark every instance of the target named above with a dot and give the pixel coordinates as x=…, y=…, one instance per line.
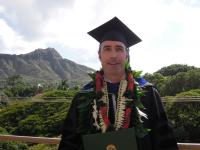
x=113, y=56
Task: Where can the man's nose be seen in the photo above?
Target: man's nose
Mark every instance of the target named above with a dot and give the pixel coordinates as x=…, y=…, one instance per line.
x=113, y=53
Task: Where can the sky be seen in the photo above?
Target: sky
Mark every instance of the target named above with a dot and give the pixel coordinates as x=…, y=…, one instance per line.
x=169, y=29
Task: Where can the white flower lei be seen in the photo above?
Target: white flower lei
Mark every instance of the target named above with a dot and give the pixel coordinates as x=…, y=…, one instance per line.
x=120, y=111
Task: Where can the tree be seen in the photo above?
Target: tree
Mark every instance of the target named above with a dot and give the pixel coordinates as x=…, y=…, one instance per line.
x=156, y=78
x=185, y=118
x=17, y=87
x=43, y=147
x=181, y=82
x=13, y=146
x=174, y=69
x=63, y=85
x=32, y=125
x=195, y=92
x=14, y=80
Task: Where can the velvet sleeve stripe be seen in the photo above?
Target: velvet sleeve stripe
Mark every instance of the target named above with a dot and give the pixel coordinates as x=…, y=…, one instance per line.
x=164, y=132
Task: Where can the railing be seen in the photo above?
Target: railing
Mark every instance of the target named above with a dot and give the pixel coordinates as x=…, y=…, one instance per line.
x=29, y=139
x=182, y=99
x=60, y=99
x=45, y=140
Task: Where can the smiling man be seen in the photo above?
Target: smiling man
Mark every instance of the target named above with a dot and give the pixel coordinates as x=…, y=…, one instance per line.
x=113, y=56
x=117, y=99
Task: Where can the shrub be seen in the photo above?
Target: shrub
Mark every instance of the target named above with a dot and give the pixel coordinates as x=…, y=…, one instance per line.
x=185, y=117
x=13, y=146
x=195, y=92
x=43, y=147
x=58, y=94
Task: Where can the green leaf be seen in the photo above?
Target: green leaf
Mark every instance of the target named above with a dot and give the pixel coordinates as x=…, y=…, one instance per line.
x=127, y=65
x=92, y=75
x=137, y=74
x=141, y=132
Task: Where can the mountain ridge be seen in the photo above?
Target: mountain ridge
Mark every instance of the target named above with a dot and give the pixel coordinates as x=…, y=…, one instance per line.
x=45, y=64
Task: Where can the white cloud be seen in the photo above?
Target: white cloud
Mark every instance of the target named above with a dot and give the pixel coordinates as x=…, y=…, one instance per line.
x=13, y=43
x=175, y=42
x=169, y=29
x=29, y=17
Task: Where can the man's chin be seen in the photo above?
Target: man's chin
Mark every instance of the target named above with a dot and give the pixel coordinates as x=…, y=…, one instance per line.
x=114, y=70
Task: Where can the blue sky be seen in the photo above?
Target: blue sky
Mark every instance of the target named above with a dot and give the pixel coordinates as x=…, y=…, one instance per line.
x=169, y=29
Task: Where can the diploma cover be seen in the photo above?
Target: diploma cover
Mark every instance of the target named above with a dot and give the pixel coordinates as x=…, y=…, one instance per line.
x=123, y=139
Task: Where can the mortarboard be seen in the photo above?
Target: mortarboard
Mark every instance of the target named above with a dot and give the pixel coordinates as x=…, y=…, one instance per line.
x=115, y=30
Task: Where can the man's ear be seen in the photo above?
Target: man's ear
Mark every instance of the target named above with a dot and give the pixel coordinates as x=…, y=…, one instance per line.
x=99, y=52
x=99, y=55
x=127, y=54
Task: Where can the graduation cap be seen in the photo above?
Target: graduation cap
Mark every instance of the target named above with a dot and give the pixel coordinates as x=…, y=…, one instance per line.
x=115, y=30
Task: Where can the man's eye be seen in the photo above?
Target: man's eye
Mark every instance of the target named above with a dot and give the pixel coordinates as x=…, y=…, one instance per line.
x=119, y=49
x=107, y=49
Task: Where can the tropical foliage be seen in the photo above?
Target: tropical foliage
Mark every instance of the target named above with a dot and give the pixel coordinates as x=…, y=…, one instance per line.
x=195, y=92
x=34, y=118
x=185, y=120
x=180, y=82
x=45, y=118
x=174, y=69
x=16, y=87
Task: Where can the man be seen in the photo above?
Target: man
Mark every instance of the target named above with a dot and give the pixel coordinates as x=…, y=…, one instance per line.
x=117, y=98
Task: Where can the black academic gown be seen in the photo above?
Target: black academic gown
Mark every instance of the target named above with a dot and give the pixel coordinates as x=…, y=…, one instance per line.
x=159, y=138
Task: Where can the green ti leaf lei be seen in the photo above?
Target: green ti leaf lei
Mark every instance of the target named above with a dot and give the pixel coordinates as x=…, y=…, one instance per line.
x=138, y=94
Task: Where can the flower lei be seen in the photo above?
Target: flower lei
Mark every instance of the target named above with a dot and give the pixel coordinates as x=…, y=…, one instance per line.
x=129, y=95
